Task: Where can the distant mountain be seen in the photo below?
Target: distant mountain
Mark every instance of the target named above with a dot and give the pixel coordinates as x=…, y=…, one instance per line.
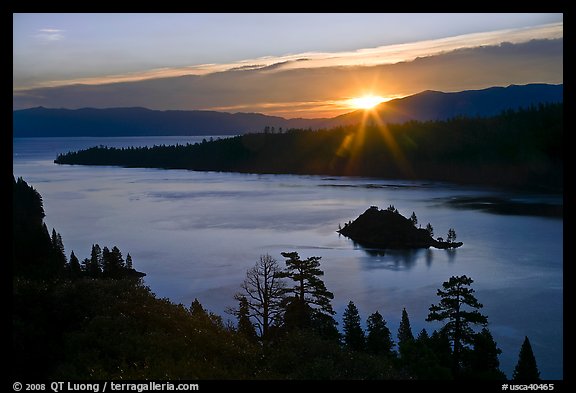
x=436, y=105
x=44, y=122
x=428, y=105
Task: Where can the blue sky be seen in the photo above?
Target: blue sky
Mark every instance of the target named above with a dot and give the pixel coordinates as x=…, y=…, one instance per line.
x=52, y=50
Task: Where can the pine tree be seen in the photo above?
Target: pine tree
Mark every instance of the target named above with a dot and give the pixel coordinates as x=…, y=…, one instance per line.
x=245, y=325
x=455, y=296
x=74, y=268
x=404, y=330
x=526, y=369
x=405, y=336
x=439, y=343
x=451, y=235
x=93, y=266
x=423, y=337
x=483, y=359
x=58, y=252
x=430, y=229
x=196, y=309
x=353, y=334
x=129, y=263
x=414, y=219
x=309, y=293
x=379, y=339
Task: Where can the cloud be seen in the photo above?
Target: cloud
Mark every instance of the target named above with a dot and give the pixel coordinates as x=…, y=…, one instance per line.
x=387, y=54
x=50, y=35
x=294, y=89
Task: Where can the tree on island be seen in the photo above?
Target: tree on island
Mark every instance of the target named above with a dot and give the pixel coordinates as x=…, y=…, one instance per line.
x=526, y=369
x=354, y=337
x=414, y=219
x=451, y=238
x=430, y=229
x=454, y=297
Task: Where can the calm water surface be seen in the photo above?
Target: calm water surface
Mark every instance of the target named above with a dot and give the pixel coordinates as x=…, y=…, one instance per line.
x=196, y=233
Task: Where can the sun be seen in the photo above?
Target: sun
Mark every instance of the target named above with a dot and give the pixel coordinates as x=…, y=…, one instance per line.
x=366, y=102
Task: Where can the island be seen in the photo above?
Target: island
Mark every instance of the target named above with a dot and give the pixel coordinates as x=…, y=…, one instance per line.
x=388, y=229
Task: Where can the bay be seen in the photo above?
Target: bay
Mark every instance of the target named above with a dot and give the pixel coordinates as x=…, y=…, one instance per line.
x=196, y=233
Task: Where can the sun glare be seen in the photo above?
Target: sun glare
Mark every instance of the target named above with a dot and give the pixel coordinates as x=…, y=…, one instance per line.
x=366, y=102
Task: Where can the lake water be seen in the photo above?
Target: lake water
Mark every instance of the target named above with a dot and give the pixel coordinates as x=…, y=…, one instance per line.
x=196, y=233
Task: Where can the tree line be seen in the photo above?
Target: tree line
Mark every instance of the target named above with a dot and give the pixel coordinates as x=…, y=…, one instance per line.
x=517, y=148
x=94, y=320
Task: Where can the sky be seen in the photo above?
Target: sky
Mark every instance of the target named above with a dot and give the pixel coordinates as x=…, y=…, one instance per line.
x=290, y=65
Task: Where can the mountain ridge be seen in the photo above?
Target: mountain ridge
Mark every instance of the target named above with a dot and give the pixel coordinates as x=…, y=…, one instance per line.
x=140, y=121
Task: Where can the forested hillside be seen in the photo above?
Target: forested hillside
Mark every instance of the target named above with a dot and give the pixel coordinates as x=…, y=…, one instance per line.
x=521, y=148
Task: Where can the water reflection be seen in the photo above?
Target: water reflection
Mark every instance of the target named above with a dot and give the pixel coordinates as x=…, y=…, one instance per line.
x=451, y=252
x=392, y=259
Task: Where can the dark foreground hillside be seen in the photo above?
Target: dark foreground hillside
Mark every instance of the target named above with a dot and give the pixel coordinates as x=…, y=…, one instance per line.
x=521, y=148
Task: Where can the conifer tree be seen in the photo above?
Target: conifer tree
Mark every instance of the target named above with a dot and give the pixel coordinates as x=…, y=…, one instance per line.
x=93, y=266
x=245, y=326
x=309, y=293
x=353, y=334
x=455, y=298
x=379, y=339
x=430, y=229
x=414, y=219
x=74, y=268
x=526, y=369
x=58, y=252
x=484, y=362
x=196, y=309
x=404, y=330
x=451, y=235
x=129, y=263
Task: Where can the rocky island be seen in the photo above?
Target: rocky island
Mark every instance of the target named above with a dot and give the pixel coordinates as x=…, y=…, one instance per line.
x=388, y=229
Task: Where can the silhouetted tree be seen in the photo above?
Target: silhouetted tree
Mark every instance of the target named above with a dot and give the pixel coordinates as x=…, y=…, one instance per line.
x=112, y=263
x=129, y=263
x=264, y=291
x=454, y=297
x=58, y=252
x=526, y=369
x=379, y=339
x=430, y=229
x=93, y=266
x=196, y=309
x=392, y=209
x=483, y=360
x=404, y=330
x=414, y=219
x=439, y=343
x=245, y=326
x=451, y=235
x=74, y=269
x=353, y=334
x=309, y=290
